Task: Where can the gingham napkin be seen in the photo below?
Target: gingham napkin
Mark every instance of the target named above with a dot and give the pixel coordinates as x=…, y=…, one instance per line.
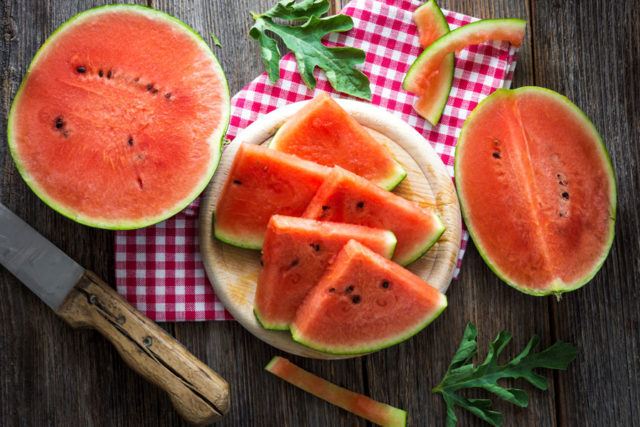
x=159, y=268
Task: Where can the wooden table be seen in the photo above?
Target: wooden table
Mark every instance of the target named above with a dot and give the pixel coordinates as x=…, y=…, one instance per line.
x=51, y=374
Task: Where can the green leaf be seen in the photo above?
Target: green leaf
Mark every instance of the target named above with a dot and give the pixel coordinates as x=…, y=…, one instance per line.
x=305, y=41
x=462, y=374
x=216, y=41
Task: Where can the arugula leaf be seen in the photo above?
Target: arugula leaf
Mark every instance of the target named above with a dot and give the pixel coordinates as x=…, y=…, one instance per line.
x=462, y=374
x=305, y=41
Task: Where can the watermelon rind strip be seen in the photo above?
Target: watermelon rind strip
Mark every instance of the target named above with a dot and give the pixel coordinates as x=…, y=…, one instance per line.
x=556, y=287
x=216, y=138
x=423, y=247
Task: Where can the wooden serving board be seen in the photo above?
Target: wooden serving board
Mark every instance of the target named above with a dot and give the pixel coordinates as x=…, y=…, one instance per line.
x=233, y=271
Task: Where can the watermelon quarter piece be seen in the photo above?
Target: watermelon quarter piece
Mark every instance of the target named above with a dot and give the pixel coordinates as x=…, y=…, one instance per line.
x=363, y=303
x=296, y=253
x=323, y=132
x=363, y=406
x=432, y=25
x=425, y=68
x=263, y=182
x=346, y=197
x=119, y=120
x=537, y=190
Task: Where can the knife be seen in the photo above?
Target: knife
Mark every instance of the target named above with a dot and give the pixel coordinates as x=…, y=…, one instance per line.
x=79, y=297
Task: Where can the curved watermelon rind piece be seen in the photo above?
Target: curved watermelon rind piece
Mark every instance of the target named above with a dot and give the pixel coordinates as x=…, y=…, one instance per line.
x=557, y=287
x=424, y=247
x=398, y=175
x=273, y=326
x=217, y=137
x=371, y=347
x=253, y=244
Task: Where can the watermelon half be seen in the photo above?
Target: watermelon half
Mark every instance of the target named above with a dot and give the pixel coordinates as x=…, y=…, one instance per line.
x=537, y=190
x=365, y=302
x=119, y=120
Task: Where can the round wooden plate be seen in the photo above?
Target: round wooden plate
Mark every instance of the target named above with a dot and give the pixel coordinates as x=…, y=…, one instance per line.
x=233, y=271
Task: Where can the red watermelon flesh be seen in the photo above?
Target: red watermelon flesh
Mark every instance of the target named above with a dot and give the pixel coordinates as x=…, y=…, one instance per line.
x=296, y=253
x=323, y=132
x=346, y=197
x=263, y=182
x=363, y=406
x=119, y=120
x=537, y=189
x=363, y=303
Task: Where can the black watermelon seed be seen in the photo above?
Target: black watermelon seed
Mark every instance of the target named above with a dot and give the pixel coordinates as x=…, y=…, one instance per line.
x=235, y=181
x=59, y=123
x=324, y=208
x=81, y=70
x=295, y=262
x=149, y=87
x=360, y=205
x=137, y=79
x=154, y=91
x=131, y=141
x=109, y=74
x=261, y=262
x=167, y=95
x=101, y=73
x=385, y=284
x=560, y=214
x=356, y=299
x=315, y=246
x=332, y=289
x=496, y=155
x=348, y=290
x=565, y=195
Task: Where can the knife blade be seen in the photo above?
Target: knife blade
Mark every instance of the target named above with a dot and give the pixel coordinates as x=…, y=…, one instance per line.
x=79, y=297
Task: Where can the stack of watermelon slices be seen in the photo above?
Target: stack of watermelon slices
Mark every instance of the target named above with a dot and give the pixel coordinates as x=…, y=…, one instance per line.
x=333, y=242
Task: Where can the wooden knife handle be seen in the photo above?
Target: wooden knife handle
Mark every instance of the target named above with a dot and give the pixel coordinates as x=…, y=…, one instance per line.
x=199, y=394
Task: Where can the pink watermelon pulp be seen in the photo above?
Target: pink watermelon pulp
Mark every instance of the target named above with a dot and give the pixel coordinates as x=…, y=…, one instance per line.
x=113, y=128
x=537, y=190
x=346, y=197
x=323, y=132
x=363, y=406
x=363, y=303
x=263, y=182
x=295, y=254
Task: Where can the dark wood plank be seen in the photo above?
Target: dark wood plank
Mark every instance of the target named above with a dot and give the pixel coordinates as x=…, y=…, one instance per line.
x=600, y=75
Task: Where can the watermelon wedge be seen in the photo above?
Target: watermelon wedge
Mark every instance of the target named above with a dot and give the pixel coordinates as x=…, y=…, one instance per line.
x=363, y=303
x=323, y=132
x=113, y=129
x=363, y=406
x=425, y=67
x=263, y=182
x=537, y=190
x=295, y=254
x=346, y=197
x=432, y=25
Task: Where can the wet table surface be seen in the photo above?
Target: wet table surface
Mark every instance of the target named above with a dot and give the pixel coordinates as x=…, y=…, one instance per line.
x=589, y=51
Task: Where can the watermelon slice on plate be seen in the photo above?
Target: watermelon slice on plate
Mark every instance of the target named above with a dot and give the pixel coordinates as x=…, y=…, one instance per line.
x=111, y=128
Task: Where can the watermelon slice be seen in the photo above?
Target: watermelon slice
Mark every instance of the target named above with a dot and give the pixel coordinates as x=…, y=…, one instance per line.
x=112, y=128
x=346, y=197
x=431, y=26
x=363, y=303
x=295, y=254
x=363, y=406
x=261, y=183
x=537, y=190
x=323, y=132
x=425, y=67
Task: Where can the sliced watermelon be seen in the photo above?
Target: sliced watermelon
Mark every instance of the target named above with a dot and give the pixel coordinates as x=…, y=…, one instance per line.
x=363, y=303
x=431, y=26
x=112, y=128
x=537, y=190
x=295, y=254
x=425, y=67
x=363, y=406
x=346, y=197
x=261, y=183
x=323, y=132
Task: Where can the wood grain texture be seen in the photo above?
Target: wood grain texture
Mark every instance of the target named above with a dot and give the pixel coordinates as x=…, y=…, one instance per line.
x=53, y=375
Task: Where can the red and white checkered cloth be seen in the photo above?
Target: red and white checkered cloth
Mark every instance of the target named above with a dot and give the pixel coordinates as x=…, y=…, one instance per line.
x=159, y=268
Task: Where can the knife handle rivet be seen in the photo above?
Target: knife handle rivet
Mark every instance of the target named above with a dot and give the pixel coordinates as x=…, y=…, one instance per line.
x=147, y=341
x=93, y=299
x=122, y=320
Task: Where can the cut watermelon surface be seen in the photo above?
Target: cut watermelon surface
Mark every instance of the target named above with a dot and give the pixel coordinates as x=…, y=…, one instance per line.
x=346, y=197
x=323, y=132
x=119, y=120
x=263, y=182
x=363, y=303
x=295, y=254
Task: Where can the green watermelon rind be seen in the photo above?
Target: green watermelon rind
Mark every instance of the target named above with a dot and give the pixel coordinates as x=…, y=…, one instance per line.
x=438, y=109
x=244, y=243
x=424, y=247
x=557, y=287
x=379, y=345
x=218, y=136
